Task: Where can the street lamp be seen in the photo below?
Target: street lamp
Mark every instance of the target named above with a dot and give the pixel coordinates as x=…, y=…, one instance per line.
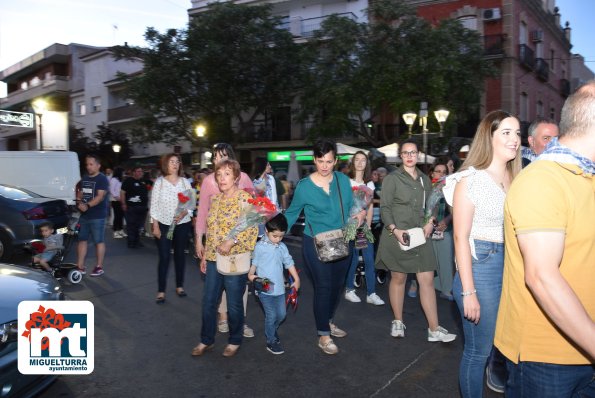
x=39, y=107
x=441, y=116
x=409, y=118
x=117, y=148
x=200, y=130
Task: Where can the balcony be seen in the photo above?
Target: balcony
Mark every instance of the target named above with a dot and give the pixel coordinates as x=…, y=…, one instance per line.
x=526, y=57
x=564, y=87
x=542, y=69
x=53, y=85
x=306, y=27
x=124, y=113
x=493, y=45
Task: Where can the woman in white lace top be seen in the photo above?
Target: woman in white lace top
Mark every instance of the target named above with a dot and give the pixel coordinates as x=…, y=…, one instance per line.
x=477, y=194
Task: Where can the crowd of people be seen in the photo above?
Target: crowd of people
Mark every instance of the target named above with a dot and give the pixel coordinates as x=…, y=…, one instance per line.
x=513, y=248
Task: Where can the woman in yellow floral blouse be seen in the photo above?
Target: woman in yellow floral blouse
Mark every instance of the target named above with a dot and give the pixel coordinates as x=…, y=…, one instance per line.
x=223, y=216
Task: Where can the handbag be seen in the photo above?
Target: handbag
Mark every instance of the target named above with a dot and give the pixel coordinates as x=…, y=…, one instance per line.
x=330, y=245
x=416, y=238
x=235, y=264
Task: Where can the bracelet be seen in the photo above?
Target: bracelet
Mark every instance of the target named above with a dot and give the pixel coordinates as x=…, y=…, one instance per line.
x=393, y=230
x=469, y=293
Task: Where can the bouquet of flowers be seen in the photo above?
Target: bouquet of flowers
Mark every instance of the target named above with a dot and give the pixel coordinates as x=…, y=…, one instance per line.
x=263, y=284
x=362, y=196
x=259, y=210
x=435, y=205
x=186, y=201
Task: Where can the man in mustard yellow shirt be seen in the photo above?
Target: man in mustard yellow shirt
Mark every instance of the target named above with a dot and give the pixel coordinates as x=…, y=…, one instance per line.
x=545, y=324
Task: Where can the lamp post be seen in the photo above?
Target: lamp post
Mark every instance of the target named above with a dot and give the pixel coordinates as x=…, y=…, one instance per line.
x=117, y=148
x=441, y=116
x=39, y=107
x=200, y=131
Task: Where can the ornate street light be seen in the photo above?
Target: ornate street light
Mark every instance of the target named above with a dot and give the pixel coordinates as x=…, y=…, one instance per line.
x=117, y=148
x=201, y=131
x=39, y=107
x=441, y=116
x=409, y=118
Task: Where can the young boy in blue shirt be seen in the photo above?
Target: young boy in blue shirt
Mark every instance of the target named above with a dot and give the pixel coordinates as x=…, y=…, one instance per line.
x=269, y=260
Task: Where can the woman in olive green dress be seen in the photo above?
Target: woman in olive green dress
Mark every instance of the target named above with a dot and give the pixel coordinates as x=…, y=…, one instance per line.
x=402, y=206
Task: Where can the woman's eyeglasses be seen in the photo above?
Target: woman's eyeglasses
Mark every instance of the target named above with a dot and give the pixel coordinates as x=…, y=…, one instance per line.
x=409, y=154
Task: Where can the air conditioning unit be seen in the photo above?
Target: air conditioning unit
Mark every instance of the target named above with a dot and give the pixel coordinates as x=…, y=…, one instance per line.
x=491, y=14
x=537, y=36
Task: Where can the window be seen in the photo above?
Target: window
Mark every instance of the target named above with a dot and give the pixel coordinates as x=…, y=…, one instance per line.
x=524, y=107
x=539, y=109
x=469, y=22
x=523, y=33
x=81, y=108
x=96, y=104
x=539, y=50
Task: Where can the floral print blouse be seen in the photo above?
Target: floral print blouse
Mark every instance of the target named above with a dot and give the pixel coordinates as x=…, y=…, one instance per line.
x=223, y=216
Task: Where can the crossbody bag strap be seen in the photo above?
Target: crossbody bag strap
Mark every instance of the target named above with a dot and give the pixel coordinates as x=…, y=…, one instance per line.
x=340, y=197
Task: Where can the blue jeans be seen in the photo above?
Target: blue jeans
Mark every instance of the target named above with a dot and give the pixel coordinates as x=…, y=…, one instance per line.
x=234, y=288
x=164, y=245
x=328, y=280
x=94, y=227
x=546, y=380
x=479, y=339
x=274, y=313
x=370, y=270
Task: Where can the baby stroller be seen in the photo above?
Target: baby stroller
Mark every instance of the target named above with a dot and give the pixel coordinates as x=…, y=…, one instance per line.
x=59, y=268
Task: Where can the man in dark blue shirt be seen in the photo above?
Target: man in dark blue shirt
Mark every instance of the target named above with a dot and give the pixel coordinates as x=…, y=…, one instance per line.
x=93, y=205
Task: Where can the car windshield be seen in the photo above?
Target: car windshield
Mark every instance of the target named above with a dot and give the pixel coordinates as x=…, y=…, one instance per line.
x=10, y=192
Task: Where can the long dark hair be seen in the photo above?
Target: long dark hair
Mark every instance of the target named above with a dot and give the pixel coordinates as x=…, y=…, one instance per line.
x=118, y=173
x=260, y=165
x=367, y=171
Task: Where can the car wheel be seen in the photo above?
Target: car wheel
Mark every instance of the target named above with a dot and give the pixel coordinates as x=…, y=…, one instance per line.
x=75, y=276
x=6, y=248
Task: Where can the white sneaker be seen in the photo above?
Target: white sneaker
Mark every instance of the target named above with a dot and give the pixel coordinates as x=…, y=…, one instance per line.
x=118, y=235
x=351, y=296
x=441, y=334
x=248, y=331
x=374, y=299
x=397, y=328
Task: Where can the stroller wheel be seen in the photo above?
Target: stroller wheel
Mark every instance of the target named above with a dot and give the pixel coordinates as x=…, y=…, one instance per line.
x=74, y=276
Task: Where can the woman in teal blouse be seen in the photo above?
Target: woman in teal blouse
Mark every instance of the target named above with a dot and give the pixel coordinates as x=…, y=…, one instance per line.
x=318, y=196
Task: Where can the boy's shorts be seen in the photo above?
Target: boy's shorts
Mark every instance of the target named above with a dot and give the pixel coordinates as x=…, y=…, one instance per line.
x=46, y=256
x=94, y=228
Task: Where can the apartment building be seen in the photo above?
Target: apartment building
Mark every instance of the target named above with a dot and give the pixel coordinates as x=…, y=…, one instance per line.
x=530, y=48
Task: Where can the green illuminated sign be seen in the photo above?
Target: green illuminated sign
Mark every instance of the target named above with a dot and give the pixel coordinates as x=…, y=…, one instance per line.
x=285, y=156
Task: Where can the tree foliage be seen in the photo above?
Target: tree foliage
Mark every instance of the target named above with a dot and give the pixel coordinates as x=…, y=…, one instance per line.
x=231, y=63
x=392, y=63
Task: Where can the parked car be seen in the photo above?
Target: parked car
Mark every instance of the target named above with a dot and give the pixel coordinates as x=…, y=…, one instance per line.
x=21, y=212
x=19, y=283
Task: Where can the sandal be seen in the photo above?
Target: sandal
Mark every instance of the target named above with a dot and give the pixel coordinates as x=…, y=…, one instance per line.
x=230, y=350
x=160, y=299
x=181, y=292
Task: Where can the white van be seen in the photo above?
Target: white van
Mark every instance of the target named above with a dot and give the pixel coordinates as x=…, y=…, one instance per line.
x=53, y=174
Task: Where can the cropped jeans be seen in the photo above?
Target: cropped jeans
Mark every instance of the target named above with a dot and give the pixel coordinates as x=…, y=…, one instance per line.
x=479, y=339
x=370, y=270
x=234, y=288
x=274, y=314
x=546, y=380
x=328, y=280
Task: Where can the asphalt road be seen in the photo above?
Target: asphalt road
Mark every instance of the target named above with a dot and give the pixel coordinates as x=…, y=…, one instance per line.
x=143, y=349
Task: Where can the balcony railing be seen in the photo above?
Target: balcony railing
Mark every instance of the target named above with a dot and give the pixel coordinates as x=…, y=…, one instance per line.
x=564, y=87
x=526, y=57
x=124, y=113
x=494, y=45
x=542, y=69
x=53, y=85
x=306, y=27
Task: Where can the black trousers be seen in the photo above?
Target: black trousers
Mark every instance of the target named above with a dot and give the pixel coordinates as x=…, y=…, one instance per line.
x=135, y=220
